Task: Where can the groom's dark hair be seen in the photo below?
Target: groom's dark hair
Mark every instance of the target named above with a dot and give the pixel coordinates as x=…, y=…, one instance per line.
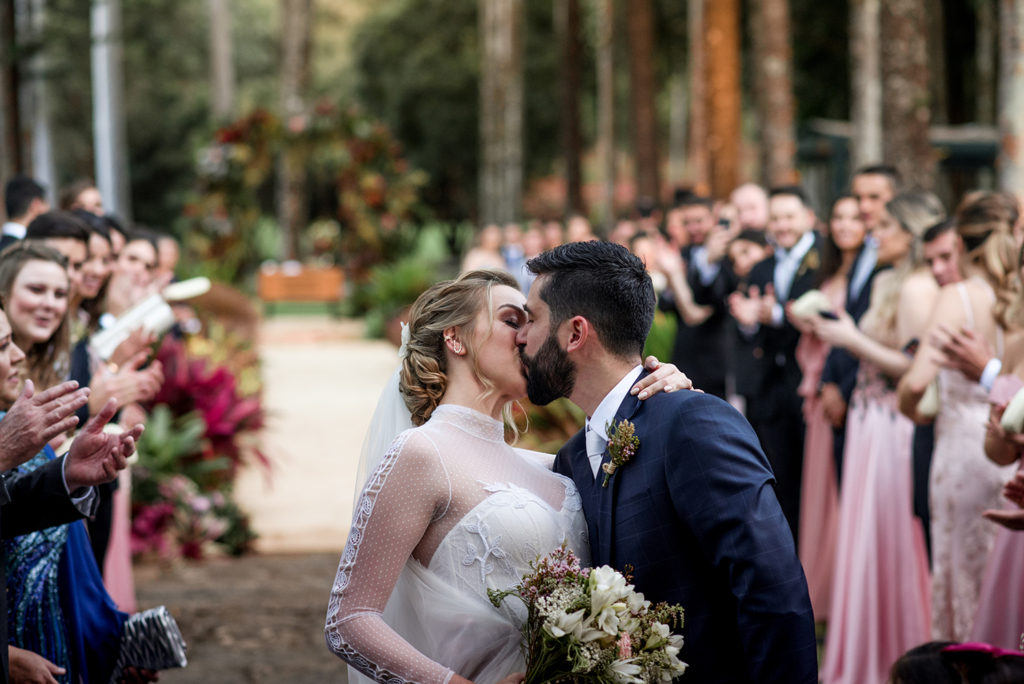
x=605, y=284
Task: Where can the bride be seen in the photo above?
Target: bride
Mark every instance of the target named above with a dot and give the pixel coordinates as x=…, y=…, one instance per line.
x=450, y=510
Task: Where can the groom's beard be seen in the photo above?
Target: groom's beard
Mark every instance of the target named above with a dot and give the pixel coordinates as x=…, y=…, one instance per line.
x=551, y=374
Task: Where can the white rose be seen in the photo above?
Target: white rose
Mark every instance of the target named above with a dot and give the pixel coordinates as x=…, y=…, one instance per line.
x=625, y=672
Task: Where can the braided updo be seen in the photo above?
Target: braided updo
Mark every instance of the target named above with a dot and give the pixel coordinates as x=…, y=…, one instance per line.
x=450, y=304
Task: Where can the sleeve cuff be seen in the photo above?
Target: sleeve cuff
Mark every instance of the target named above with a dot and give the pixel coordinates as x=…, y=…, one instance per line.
x=749, y=330
x=5, y=497
x=83, y=502
x=708, y=272
x=778, y=314
x=991, y=372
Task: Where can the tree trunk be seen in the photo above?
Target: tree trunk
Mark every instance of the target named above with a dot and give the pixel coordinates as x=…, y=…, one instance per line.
x=866, y=96
x=222, y=67
x=501, y=110
x=640, y=25
x=296, y=43
x=10, y=138
x=773, y=69
x=906, y=114
x=698, y=97
x=677, y=128
x=984, y=60
x=722, y=40
x=110, y=141
x=1011, y=96
x=35, y=91
x=567, y=28
x=606, y=104
x=938, y=85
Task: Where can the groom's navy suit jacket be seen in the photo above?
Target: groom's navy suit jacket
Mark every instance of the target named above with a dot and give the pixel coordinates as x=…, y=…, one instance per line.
x=695, y=515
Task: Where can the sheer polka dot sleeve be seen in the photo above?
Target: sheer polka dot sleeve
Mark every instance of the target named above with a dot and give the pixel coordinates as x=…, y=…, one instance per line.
x=409, y=490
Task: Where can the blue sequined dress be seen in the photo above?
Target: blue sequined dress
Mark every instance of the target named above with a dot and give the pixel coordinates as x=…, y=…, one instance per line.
x=57, y=605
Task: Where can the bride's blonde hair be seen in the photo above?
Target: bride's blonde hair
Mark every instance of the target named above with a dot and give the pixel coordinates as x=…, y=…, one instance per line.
x=450, y=304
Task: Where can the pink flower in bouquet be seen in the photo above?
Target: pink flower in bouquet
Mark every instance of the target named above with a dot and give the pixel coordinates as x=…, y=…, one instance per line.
x=625, y=645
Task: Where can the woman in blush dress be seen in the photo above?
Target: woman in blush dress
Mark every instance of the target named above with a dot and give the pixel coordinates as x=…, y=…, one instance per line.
x=963, y=483
x=880, y=598
x=819, y=498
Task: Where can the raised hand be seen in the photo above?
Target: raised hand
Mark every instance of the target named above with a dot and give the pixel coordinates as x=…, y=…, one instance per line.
x=96, y=457
x=744, y=308
x=137, y=341
x=35, y=419
x=129, y=384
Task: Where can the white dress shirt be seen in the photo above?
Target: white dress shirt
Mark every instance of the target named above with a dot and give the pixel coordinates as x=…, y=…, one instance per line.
x=597, y=424
x=15, y=230
x=787, y=263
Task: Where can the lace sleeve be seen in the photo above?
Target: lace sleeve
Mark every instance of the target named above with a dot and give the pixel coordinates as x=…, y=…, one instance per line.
x=404, y=494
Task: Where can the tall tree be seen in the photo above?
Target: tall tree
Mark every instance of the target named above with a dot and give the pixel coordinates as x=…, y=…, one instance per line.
x=501, y=110
x=110, y=136
x=296, y=44
x=1011, y=95
x=222, y=66
x=906, y=114
x=606, y=104
x=698, y=155
x=985, y=60
x=640, y=27
x=10, y=138
x=722, y=40
x=773, y=91
x=866, y=64
x=567, y=29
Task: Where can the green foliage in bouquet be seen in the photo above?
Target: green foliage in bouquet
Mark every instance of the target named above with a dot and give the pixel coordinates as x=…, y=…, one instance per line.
x=589, y=625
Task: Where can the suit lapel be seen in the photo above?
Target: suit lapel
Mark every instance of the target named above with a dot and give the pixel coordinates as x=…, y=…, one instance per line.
x=607, y=495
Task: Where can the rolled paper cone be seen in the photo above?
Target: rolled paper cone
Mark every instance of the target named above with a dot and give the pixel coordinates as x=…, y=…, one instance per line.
x=929, y=404
x=1013, y=416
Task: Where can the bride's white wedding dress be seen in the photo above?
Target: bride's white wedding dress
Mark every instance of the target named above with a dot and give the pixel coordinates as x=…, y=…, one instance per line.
x=449, y=512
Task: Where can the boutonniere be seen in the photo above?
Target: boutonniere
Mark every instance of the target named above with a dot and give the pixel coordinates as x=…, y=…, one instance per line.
x=622, y=446
x=811, y=262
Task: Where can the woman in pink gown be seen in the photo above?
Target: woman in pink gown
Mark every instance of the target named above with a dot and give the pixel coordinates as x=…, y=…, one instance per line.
x=819, y=497
x=880, y=595
x=963, y=483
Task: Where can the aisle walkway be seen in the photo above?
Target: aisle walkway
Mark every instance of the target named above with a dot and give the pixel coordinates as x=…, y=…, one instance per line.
x=322, y=380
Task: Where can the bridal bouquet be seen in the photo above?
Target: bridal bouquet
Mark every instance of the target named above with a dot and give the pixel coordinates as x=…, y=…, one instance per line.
x=588, y=625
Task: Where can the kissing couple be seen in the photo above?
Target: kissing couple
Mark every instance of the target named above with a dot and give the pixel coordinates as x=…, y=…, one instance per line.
x=448, y=510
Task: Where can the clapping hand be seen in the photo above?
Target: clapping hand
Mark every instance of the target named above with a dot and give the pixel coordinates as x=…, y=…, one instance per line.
x=745, y=308
x=35, y=419
x=1014, y=519
x=97, y=457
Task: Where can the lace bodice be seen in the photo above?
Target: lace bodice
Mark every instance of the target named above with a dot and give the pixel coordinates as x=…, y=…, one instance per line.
x=463, y=504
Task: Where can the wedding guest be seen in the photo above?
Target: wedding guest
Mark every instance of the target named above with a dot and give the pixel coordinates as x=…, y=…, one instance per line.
x=512, y=248
x=69, y=235
x=924, y=664
x=553, y=235
x=133, y=277
x=623, y=232
x=24, y=200
x=533, y=244
x=578, y=229
x=872, y=187
x=53, y=583
x=751, y=202
x=168, y=254
x=819, y=500
x=942, y=252
x=648, y=215
x=675, y=229
x=697, y=293
x=880, y=595
x=486, y=253
x=774, y=407
x=746, y=250
x=82, y=194
x=963, y=482
x=118, y=234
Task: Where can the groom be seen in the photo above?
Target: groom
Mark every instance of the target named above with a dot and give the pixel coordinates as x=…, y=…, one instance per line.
x=694, y=510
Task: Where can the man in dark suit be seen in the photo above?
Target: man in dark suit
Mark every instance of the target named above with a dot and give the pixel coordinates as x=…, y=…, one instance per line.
x=693, y=511
x=701, y=344
x=24, y=200
x=775, y=410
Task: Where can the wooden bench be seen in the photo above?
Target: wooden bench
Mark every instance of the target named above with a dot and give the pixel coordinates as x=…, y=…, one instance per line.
x=304, y=284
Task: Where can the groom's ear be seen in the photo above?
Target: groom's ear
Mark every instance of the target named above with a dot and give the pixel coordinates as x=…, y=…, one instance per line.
x=579, y=332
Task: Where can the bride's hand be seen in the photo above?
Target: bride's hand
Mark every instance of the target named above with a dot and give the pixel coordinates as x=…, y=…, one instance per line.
x=664, y=377
x=517, y=678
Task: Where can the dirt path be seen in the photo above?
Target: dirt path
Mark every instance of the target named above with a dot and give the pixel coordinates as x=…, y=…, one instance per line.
x=252, y=620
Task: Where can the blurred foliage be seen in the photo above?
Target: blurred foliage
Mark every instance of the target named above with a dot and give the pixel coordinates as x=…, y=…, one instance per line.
x=547, y=428
x=662, y=338
x=350, y=158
